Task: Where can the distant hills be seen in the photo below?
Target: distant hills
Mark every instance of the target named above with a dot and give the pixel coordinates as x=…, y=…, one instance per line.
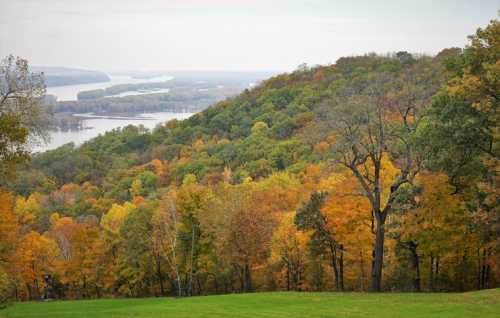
x=59, y=76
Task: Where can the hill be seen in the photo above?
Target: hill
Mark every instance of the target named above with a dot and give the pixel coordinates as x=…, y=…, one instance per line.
x=285, y=111
x=59, y=76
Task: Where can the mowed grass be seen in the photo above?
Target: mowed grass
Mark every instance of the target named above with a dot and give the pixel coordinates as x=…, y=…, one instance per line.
x=278, y=304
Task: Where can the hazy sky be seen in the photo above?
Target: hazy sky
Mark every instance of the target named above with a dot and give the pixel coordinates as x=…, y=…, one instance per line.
x=230, y=34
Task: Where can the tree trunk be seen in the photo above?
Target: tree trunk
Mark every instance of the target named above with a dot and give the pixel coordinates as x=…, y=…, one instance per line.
x=30, y=293
x=158, y=273
x=179, y=284
x=241, y=277
x=416, y=266
x=248, y=278
x=431, y=273
x=198, y=283
x=341, y=267
x=362, y=270
x=37, y=289
x=487, y=277
x=333, y=262
x=296, y=275
x=287, y=276
x=190, y=286
x=378, y=253
x=216, y=284
x=482, y=280
x=479, y=269
x=487, y=270
x=463, y=278
x=84, y=287
x=436, y=273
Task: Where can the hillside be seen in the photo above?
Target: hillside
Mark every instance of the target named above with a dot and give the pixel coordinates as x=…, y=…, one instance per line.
x=361, y=175
x=285, y=112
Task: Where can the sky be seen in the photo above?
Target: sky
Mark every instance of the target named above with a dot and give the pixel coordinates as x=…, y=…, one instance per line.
x=114, y=35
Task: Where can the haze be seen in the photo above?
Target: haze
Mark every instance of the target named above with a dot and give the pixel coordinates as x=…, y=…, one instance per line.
x=229, y=34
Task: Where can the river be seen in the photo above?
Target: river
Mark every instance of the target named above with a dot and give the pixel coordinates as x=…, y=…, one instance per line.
x=93, y=125
x=70, y=92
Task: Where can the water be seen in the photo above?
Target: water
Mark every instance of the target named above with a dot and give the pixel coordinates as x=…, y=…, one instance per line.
x=93, y=125
x=96, y=125
x=69, y=92
x=141, y=92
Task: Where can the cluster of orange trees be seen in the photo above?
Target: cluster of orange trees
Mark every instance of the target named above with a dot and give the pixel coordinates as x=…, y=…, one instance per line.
x=218, y=238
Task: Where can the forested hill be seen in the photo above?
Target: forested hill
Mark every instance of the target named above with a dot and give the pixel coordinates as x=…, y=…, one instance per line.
x=276, y=126
x=374, y=173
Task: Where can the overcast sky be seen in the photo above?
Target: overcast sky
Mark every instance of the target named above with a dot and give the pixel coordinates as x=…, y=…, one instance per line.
x=230, y=34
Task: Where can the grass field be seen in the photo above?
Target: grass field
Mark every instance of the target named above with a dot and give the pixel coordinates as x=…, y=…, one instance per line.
x=280, y=304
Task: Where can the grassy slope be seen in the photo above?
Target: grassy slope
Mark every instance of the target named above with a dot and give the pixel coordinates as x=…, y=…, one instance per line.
x=475, y=304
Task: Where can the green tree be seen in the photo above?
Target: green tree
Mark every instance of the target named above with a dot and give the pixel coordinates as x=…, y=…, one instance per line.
x=309, y=217
x=137, y=268
x=461, y=136
x=463, y=124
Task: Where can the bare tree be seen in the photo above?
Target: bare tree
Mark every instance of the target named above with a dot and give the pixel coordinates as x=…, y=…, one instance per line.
x=375, y=123
x=165, y=234
x=23, y=120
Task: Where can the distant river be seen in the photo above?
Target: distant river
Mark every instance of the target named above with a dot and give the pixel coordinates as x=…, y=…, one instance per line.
x=69, y=92
x=93, y=125
x=96, y=125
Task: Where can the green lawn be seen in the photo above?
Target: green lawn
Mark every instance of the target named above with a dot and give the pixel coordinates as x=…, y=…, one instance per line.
x=326, y=305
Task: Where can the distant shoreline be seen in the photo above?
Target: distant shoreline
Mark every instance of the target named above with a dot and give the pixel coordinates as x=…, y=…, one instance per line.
x=119, y=116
